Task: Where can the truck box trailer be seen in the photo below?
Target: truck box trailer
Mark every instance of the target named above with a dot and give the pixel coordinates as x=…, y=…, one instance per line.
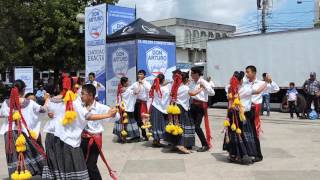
x=288, y=56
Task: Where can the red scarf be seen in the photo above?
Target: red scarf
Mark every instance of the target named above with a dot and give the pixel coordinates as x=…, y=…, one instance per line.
x=177, y=81
x=14, y=104
x=97, y=138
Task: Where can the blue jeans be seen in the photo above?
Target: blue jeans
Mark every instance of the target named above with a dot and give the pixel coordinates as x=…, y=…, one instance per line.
x=265, y=103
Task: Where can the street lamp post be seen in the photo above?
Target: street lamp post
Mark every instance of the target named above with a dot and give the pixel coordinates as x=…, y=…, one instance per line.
x=81, y=18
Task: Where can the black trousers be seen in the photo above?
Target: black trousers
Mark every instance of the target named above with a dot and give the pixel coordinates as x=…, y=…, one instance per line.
x=92, y=160
x=293, y=108
x=197, y=113
x=137, y=117
x=251, y=114
x=315, y=100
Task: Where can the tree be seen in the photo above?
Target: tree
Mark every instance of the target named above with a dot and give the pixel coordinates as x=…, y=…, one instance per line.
x=42, y=33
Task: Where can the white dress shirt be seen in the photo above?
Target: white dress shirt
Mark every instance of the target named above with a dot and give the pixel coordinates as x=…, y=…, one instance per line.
x=203, y=95
x=256, y=84
x=183, y=97
x=57, y=107
x=129, y=98
x=161, y=103
x=71, y=133
x=96, y=127
x=144, y=90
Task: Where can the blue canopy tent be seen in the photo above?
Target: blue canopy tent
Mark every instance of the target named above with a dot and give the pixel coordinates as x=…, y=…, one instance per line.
x=139, y=45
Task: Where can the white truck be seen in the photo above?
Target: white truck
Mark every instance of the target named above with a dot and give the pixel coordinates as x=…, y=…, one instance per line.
x=288, y=56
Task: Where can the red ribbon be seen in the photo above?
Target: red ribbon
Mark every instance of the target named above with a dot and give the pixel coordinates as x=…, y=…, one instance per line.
x=97, y=138
x=175, y=86
x=257, y=120
x=143, y=107
x=15, y=104
x=155, y=87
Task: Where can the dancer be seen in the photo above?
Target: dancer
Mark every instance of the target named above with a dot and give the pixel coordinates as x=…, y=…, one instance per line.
x=160, y=94
x=25, y=156
x=126, y=126
x=199, y=107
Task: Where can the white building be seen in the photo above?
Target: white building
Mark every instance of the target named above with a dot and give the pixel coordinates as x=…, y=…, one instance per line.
x=191, y=36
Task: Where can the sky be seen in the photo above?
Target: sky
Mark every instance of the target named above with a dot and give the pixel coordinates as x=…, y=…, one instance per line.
x=283, y=14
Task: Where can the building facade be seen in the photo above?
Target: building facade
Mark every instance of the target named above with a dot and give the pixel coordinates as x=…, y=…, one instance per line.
x=191, y=37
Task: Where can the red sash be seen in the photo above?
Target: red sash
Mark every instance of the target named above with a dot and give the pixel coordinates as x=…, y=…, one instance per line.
x=97, y=138
x=143, y=107
x=204, y=105
x=257, y=120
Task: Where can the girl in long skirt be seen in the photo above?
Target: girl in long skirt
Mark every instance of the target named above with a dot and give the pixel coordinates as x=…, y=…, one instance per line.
x=160, y=94
x=180, y=94
x=25, y=156
x=126, y=126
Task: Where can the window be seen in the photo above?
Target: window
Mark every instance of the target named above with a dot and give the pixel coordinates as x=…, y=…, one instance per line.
x=218, y=36
x=187, y=35
x=196, y=35
x=211, y=35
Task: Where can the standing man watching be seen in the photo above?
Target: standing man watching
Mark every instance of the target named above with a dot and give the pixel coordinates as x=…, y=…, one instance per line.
x=312, y=89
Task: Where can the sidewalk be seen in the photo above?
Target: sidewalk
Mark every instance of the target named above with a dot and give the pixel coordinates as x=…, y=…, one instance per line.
x=290, y=147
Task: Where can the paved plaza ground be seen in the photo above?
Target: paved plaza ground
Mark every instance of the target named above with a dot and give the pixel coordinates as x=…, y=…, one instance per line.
x=291, y=151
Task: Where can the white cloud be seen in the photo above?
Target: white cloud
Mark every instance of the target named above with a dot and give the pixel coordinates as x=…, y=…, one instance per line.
x=241, y=13
x=218, y=11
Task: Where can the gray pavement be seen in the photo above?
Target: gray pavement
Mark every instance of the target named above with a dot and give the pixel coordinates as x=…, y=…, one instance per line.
x=290, y=147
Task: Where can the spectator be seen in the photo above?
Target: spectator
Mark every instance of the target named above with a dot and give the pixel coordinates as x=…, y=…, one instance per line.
x=40, y=95
x=96, y=84
x=265, y=98
x=292, y=99
x=312, y=89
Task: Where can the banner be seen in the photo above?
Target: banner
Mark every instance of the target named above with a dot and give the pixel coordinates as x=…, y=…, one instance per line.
x=121, y=62
x=156, y=57
x=118, y=17
x=95, y=44
x=26, y=75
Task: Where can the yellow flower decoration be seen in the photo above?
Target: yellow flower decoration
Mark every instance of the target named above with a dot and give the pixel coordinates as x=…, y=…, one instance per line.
x=170, y=109
x=70, y=96
x=125, y=121
x=238, y=131
x=176, y=110
x=242, y=117
x=33, y=134
x=21, y=140
x=69, y=117
x=15, y=175
x=170, y=128
x=149, y=134
x=226, y=123
x=124, y=133
x=237, y=102
x=233, y=127
x=125, y=115
x=16, y=116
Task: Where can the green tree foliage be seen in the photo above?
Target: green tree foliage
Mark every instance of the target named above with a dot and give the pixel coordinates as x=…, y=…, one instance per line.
x=42, y=33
